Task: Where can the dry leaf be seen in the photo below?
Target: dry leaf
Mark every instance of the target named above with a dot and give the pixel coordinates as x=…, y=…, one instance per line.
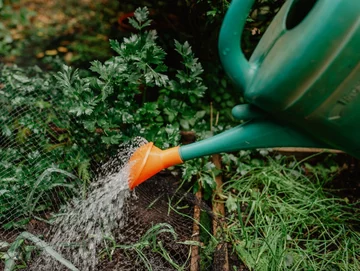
x=62, y=49
x=40, y=55
x=51, y=52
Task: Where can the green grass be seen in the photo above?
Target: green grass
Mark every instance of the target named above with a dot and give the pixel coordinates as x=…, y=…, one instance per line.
x=147, y=241
x=280, y=219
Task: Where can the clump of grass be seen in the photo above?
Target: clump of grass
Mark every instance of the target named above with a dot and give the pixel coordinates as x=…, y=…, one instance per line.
x=279, y=219
x=150, y=240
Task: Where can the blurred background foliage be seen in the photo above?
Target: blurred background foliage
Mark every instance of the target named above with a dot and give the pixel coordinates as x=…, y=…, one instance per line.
x=77, y=32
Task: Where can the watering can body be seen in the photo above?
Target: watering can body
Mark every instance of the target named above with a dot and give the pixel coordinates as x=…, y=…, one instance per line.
x=306, y=69
x=302, y=83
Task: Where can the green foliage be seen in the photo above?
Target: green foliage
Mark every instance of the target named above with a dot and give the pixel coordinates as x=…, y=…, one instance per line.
x=133, y=94
x=215, y=9
x=10, y=20
x=21, y=251
x=65, y=122
x=27, y=136
x=324, y=171
x=141, y=19
x=151, y=240
x=282, y=220
x=204, y=172
x=28, y=38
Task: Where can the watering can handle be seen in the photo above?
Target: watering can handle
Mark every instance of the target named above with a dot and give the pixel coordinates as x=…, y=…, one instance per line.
x=236, y=65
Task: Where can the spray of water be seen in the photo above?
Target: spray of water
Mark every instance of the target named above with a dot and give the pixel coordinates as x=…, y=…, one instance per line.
x=79, y=234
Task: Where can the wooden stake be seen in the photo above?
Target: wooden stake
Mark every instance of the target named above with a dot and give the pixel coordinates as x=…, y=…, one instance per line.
x=195, y=250
x=221, y=260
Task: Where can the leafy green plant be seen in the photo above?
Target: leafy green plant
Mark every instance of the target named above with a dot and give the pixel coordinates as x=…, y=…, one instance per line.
x=67, y=122
x=30, y=148
x=131, y=93
x=204, y=172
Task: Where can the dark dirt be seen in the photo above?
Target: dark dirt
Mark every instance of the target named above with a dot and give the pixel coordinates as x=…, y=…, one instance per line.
x=149, y=207
x=154, y=193
x=36, y=227
x=235, y=261
x=347, y=183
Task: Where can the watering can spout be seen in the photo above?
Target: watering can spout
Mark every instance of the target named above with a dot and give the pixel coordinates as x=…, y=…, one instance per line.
x=149, y=160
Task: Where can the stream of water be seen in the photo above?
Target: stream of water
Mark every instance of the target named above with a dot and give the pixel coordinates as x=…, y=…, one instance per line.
x=79, y=234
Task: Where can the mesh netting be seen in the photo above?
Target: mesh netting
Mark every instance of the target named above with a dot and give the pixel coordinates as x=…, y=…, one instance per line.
x=32, y=184
x=149, y=206
x=47, y=208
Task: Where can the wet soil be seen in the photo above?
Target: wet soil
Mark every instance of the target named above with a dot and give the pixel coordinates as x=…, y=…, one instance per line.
x=346, y=184
x=150, y=207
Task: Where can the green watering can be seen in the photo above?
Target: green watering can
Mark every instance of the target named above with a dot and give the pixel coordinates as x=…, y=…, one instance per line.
x=302, y=83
